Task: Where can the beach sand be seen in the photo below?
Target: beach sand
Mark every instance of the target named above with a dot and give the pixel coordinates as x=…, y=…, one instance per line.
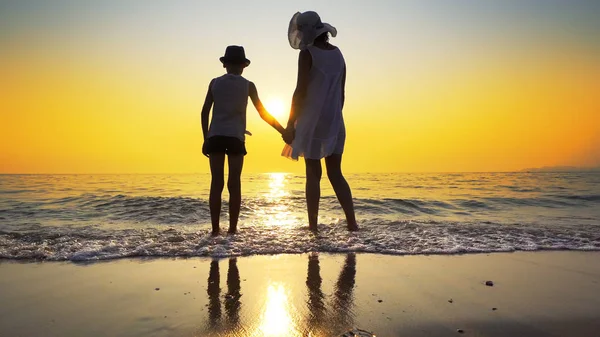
x=533, y=294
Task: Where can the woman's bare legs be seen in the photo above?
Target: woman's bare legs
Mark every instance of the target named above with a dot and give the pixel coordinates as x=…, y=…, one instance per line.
x=313, y=191
x=234, y=185
x=341, y=188
x=217, y=164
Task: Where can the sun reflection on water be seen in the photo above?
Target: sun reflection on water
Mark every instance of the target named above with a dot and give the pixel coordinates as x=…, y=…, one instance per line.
x=276, y=319
x=278, y=212
x=276, y=186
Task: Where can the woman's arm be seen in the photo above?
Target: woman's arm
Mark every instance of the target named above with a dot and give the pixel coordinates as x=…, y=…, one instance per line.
x=344, y=87
x=304, y=65
x=264, y=114
x=208, y=102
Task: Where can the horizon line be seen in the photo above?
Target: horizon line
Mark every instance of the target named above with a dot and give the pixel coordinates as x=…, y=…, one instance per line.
x=582, y=170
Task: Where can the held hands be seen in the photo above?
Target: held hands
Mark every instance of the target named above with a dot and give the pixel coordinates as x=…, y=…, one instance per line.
x=288, y=135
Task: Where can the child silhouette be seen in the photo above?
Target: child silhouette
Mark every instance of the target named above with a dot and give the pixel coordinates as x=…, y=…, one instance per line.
x=226, y=134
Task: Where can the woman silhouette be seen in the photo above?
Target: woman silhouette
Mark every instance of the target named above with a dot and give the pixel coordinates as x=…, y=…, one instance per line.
x=315, y=128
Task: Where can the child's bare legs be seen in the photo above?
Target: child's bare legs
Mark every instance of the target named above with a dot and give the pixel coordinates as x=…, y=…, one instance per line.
x=313, y=191
x=217, y=163
x=341, y=188
x=234, y=185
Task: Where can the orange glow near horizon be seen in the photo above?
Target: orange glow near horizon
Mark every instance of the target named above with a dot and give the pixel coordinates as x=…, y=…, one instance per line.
x=87, y=95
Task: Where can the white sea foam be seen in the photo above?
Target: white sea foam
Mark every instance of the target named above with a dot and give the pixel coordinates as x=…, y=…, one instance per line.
x=375, y=236
x=87, y=218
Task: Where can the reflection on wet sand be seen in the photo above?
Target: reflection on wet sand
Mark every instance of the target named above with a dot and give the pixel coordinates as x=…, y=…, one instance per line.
x=316, y=303
x=319, y=321
x=344, y=295
x=276, y=319
x=214, y=291
x=278, y=316
x=232, y=298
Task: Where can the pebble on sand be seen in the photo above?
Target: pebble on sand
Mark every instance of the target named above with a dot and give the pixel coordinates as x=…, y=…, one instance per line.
x=450, y=301
x=489, y=283
x=460, y=330
x=494, y=309
x=157, y=289
x=379, y=301
x=176, y=238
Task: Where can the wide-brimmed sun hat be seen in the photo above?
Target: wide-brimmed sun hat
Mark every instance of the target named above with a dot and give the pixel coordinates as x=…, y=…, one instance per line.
x=235, y=55
x=305, y=28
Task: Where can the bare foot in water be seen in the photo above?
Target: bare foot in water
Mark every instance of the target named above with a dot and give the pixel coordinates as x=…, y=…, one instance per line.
x=353, y=227
x=215, y=232
x=232, y=231
x=313, y=228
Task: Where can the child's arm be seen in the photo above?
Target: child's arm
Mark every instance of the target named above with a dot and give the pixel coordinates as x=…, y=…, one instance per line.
x=208, y=102
x=264, y=114
x=304, y=65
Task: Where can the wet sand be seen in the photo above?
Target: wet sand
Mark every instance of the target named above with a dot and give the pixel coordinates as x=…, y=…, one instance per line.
x=534, y=294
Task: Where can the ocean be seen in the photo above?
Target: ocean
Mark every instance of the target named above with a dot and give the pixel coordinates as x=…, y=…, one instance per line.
x=100, y=217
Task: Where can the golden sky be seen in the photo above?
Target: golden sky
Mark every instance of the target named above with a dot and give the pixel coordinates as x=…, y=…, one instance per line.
x=117, y=87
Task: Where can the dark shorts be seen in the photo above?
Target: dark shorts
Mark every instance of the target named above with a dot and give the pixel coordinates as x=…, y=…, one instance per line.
x=224, y=144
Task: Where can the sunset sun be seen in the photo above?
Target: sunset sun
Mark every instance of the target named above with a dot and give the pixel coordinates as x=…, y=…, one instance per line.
x=276, y=107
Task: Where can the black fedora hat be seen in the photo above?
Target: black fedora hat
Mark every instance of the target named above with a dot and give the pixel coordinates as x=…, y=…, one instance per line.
x=235, y=55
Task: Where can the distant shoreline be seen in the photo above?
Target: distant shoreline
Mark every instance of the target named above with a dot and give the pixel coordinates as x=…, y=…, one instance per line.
x=562, y=169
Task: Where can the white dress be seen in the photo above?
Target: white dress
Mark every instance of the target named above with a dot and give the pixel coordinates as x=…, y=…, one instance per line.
x=320, y=130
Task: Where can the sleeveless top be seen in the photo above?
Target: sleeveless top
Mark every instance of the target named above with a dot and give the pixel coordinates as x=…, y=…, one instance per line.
x=230, y=96
x=320, y=129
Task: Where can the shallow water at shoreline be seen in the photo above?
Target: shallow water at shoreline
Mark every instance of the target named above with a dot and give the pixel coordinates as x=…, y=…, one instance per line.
x=91, y=217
